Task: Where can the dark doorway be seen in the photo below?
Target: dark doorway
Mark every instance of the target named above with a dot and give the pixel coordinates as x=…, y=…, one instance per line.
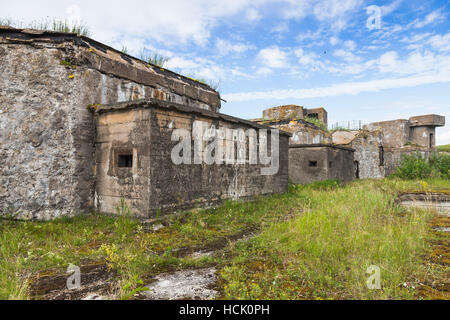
x=431, y=140
x=381, y=151
x=356, y=169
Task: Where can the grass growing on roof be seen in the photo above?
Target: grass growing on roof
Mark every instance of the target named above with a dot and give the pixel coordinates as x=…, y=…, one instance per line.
x=48, y=25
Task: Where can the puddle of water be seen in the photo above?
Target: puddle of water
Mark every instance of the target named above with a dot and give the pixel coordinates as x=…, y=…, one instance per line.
x=183, y=285
x=442, y=229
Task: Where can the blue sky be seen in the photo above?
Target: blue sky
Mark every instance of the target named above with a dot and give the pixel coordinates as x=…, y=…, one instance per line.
x=273, y=52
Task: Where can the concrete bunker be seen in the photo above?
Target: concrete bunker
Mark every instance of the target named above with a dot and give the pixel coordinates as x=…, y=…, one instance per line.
x=317, y=162
x=141, y=133
x=54, y=85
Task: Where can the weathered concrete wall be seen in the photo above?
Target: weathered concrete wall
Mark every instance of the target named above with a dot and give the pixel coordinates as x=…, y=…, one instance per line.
x=423, y=136
x=371, y=159
x=284, y=112
x=46, y=131
x=294, y=112
x=146, y=128
x=395, y=132
x=309, y=163
x=427, y=120
x=319, y=113
x=124, y=132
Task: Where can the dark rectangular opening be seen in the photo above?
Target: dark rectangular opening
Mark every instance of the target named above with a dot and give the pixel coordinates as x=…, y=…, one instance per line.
x=313, y=115
x=431, y=140
x=381, y=155
x=125, y=161
x=313, y=164
x=356, y=163
x=330, y=164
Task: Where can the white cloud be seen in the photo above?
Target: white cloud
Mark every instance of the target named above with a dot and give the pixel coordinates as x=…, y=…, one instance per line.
x=337, y=13
x=225, y=47
x=348, y=88
x=280, y=28
x=443, y=135
x=263, y=71
x=253, y=15
x=309, y=35
x=273, y=57
x=350, y=45
x=387, y=9
x=432, y=17
x=169, y=21
x=346, y=55
x=308, y=59
x=440, y=42
x=334, y=41
x=388, y=61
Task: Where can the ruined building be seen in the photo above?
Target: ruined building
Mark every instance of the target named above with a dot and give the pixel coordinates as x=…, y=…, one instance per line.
x=374, y=151
x=312, y=156
x=83, y=126
x=379, y=146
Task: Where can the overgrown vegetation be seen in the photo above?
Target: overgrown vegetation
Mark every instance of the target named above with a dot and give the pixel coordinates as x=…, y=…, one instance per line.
x=444, y=148
x=416, y=166
x=318, y=123
x=334, y=234
x=153, y=58
x=48, y=25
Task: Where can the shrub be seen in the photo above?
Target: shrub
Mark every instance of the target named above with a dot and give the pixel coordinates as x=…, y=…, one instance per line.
x=441, y=165
x=444, y=148
x=416, y=166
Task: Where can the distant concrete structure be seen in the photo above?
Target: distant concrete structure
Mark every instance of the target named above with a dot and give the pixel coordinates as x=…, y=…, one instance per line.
x=379, y=146
x=312, y=157
x=294, y=119
x=295, y=112
x=317, y=162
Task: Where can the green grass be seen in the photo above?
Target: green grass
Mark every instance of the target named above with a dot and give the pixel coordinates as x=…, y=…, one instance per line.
x=153, y=58
x=325, y=252
x=337, y=232
x=444, y=148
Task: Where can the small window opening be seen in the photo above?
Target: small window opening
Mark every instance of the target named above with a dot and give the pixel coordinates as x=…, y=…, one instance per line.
x=431, y=140
x=330, y=164
x=313, y=115
x=313, y=164
x=125, y=161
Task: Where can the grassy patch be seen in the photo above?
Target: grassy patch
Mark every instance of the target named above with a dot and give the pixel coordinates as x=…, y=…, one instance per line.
x=125, y=245
x=325, y=252
x=334, y=234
